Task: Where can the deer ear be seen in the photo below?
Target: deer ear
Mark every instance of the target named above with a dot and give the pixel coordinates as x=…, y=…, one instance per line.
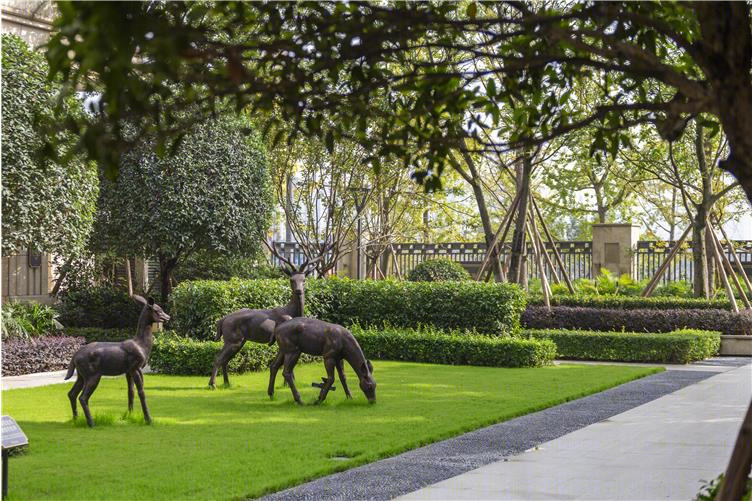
x=371, y=367
x=139, y=299
x=286, y=270
x=150, y=301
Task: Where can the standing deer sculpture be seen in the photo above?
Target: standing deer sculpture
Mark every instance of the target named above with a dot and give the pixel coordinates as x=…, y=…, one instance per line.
x=259, y=325
x=127, y=357
x=333, y=342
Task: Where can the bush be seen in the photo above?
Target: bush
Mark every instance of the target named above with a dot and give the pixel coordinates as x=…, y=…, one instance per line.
x=97, y=334
x=643, y=320
x=40, y=354
x=675, y=289
x=23, y=320
x=631, y=303
x=489, y=308
x=435, y=270
x=431, y=345
x=172, y=354
x=206, y=265
x=101, y=307
x=680, y=346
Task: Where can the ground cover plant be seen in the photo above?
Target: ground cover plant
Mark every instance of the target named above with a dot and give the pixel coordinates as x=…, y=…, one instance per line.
x=235, y=443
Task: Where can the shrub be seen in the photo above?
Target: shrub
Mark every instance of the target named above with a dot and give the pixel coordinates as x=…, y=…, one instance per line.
x=206, y=265
x=638, y=320
x=675, y=289
x=452, y=347
x=489, y=308
x=102, y=307
x=40, y=354
x=680, y=346
x=98, y=334
x=24, y=320
x=435, y=270
x=631, y=303
x=172, y=354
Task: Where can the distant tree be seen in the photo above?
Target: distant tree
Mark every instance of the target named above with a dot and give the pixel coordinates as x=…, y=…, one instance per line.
x=47, y=205
x=211, y=194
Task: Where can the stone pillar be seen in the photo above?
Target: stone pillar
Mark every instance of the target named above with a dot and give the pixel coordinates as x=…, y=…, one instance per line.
x=613, y=248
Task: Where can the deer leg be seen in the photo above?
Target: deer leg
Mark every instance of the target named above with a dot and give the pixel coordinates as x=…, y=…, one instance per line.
x=227, y=352
x=138, y=378
x=341, y=373
x=130, y=391
x=90, y=384
x=273, y=368
x=287, y=372
x=329, y=365
x=75, y=390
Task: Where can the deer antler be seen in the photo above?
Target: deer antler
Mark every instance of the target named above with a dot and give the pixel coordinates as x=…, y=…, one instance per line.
x=308, y=263
x=278, y=256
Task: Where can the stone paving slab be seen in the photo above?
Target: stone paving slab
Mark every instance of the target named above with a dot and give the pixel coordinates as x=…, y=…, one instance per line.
x=407, y=472
x=660, y=450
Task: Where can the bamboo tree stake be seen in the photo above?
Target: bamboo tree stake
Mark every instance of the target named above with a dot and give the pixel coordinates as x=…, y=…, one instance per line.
x=655, y=280
x=734, y=255
x=540, y=242
x=720, y=266
x=557, y=256
x=503, y=229
x=128, y=276
x=730, y=271
x=542, y=272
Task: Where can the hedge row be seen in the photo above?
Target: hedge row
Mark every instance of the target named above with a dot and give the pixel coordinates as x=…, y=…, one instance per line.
x=172, y=354
x=680, y=346
x=631, y=302
x=601, y=319
x=99, y=334
x=38, y=354
x=101, y=307
x=452, y=348
x=488, y=308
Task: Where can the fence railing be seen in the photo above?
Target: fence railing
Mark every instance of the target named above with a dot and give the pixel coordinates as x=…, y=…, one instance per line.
x=576, y=257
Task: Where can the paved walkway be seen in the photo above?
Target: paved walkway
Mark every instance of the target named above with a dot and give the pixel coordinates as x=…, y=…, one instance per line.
x=659, y=450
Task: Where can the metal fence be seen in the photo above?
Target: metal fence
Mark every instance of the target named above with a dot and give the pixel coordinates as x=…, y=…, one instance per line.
x=576, y=257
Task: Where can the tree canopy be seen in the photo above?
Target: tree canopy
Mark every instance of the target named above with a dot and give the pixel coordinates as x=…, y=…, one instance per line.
x=322, y=64
x=213, y=194
x=47, y=205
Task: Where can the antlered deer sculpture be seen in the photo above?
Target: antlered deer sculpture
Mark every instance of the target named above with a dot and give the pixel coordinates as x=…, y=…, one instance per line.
x=128, y=357
x=259, y=325
x=333, y=342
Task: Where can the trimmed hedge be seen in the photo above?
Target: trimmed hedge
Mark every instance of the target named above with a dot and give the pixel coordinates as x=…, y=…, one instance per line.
x=101, y=307
x=172, y=354
x=436, y=270
x=452, y=348
x=680, y=346
x=644, y=320
x=631, y=302
x=489, y=308
x=98, y=334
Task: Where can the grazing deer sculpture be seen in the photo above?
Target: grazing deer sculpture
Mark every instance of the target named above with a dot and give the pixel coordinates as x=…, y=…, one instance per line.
x=333, y=342
x=127, y=357
x=259, y=325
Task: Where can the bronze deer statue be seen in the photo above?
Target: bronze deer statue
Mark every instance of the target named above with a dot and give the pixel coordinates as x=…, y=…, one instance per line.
x=259, y=325
x=127, y=357
x=333, y=342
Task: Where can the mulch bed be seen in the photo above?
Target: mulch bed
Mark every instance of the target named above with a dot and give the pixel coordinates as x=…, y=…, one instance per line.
x=39, y=354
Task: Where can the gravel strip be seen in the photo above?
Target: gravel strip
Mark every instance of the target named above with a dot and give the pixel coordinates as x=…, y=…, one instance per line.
x=412, y=470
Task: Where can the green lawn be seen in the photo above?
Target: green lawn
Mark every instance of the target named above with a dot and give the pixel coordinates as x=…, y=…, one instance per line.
x=236, y=443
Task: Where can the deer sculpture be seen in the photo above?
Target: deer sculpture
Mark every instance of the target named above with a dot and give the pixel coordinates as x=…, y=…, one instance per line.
x=333, y=342
x=259, y=325
x=128, y=357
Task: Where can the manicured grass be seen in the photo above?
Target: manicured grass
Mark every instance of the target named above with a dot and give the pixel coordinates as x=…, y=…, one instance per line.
x=236, y=443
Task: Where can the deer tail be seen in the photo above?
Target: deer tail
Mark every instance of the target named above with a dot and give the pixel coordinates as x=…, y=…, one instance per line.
x=218, y=334
x=71, y=368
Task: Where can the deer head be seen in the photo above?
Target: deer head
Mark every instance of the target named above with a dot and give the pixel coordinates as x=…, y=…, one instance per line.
x=366, y=381
x=153, y=311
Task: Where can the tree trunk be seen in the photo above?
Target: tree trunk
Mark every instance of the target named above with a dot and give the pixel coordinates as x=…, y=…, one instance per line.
x=725, y=58
x=167, y=266
x=701, y=286
x=517, y=251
